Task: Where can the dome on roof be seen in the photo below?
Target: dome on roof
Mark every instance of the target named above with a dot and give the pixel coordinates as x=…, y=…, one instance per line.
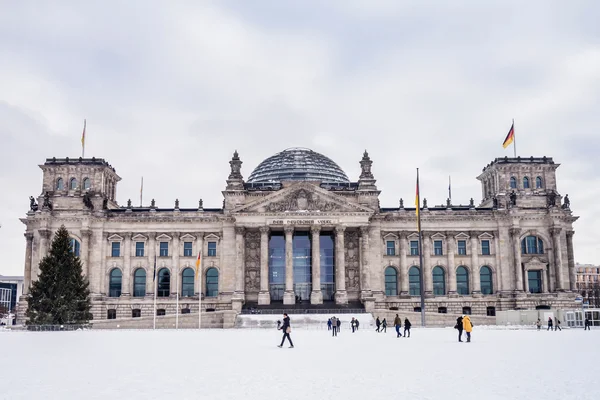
x=298, y=164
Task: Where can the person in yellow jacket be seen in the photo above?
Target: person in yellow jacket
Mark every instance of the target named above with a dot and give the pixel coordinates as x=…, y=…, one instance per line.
x=467, y=326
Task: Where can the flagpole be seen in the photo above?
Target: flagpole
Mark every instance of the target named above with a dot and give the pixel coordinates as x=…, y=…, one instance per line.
x=83, y=141
x=421, y=274
x=450, y=188
x=155, y=289
x=514, y=139
x=200, y=299
x=177, y=301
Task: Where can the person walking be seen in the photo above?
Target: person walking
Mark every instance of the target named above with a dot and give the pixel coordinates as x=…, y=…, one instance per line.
x=398, y=325
x=459, y=326
x=377, y=324
x=334, y=326
x=357, y=323
x=384, y=325
x=586, y=324
x=538, y=323
x=407, y=326
x=353, y=324
x=339, y=325
x=467, y=326
x=557, y=324
x=549, y=324
x=329, y=324
x=286, y=331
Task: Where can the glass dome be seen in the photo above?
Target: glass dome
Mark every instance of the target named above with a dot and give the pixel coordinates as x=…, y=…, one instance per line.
x=297, y=164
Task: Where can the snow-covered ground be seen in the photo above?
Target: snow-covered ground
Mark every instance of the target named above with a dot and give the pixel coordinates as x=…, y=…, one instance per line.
x=245, y=364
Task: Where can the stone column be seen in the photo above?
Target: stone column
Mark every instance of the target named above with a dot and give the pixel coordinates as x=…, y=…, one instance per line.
x=28, y=252
x=288, y=295
x=239, y=263
x=150, y=283
x=341, y=297
x=200, y=274
x=476, y=282
x=545, y=280
x=558, y=259
x=427, y=268
x=176, y=286
x=498, y=284
x=571, y=261
x=365, y=278
x=264, y=296
x=518, y=271
x=526, y=282
x=451, y=246
x=316, y=296
x=44, y=237
x=125, y=285
x=84, y=252
x=403, y=264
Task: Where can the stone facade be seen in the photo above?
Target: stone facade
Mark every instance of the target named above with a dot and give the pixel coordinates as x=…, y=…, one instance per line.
x=514, y=250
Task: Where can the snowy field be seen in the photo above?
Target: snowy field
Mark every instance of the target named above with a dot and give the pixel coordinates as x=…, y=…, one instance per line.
x=246, y=364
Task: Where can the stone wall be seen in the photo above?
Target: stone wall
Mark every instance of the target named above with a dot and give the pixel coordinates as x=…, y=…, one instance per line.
x=212, y=320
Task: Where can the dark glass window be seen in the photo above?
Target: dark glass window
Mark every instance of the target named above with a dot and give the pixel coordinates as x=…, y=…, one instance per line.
x=136, y=313
x=535, y=281
x=75, y=247
x=485, y=277
x=187, y=249
x=164, y=249
x=139, y=283
x=60, y=184
x=525, y=183
x=161, y=311
x=490, y=311
x=414, y=281
x=164, y=283
x=462, y=247
x=538, y=182
x=414, y=247
x=212, y=282
x=185, y=310
x=139, y=249
x=439, y=281
x=86, y=184
x=327, y=250
x=115, y=249
x=485, y=247
x=442, y=310
x=187, y=282
x=277, y=266
x=437, y=248
x=212, y=249
x=466, y=310
x=417, y=309
x=513, y=182
x=73, y=184
x=111, y=314
x=114, y=287
x=390, y=248
x=462, y=280
x=391, y=281
x=532, y=245
x=302, y=263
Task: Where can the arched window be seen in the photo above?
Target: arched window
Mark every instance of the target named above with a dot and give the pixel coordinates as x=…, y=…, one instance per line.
x=86, y=184
x=164, y=283
x=73, y=184
x=60, y=185
x=139, y=283
x=532, y=245
x=439, y=281
x=462, y=280
x=414, y=281
x=485, y=277
x=538, y=182
x=513, y=182
x=391, y=281
x=114, y=287
x=525, y=183
x=75, y=247
x=187, y=282
x=212, y=282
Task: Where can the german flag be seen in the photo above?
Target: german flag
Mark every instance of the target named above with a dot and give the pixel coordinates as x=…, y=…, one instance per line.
x=510, y=137
x=198, y=261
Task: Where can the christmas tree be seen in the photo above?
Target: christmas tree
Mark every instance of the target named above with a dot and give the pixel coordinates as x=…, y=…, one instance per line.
x=60, y=295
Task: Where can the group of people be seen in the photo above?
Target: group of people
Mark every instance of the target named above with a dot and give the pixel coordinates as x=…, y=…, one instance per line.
x=552, y=325
x=464, y=323
x=381, y=326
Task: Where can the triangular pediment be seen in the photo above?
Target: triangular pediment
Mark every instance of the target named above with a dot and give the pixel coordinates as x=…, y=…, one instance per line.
x=115, y=238
x=302, y=197
x=535, y=263
x=139, y=238
x=163, y=237
x=187, y=236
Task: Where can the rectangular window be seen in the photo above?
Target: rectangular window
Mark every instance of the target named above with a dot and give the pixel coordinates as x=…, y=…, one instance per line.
x=437, y=248
x=139, y=249
x=116, y=249
x=164, y=249
x=462, y=247
x=535, y=281
x=485, y=247
x=414, y=247
x=212, y=249
x=187, y=249
x=391, y=248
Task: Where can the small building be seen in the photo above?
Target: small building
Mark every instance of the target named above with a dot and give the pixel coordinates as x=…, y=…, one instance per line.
x=11, y=289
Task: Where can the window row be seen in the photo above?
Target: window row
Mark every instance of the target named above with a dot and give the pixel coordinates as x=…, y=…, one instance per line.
x=439, y=281
x=60, y=184
x=526, y=182
x=438, y=247
x=163, y=249
x=137, y=313
x=163, y=285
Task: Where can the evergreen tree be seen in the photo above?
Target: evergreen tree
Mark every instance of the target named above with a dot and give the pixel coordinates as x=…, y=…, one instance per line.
x=60, y=295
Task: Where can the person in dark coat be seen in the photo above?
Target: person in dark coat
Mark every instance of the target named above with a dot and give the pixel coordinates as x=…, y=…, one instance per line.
x=587, y=324
x=286, y=331
x=353, y=324
x=377, y=324
x=549, y=324
x=384, y=325
x=557, y=324
x=459, y=326
x=357, y=323
x=333, y=321
x=339, y=325
x=398, y=325
x=407, y=326
x=329, y=324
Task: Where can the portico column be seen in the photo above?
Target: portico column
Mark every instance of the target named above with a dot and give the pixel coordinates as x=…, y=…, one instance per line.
x=558, y=259
x=176, y=287
x=571, y=261
x=475, y=264
x=316, y=296
x=341, y=297
x=403, y=264
x=264, y=297
x=28, y=253
x=365, y=286
x=514, y=233
x=451, y=245
x=84, y=252
x=239, y=262
x=150, y=282
x=288, y=294
x=427, y=269
x=200, y=250
x=125, y=290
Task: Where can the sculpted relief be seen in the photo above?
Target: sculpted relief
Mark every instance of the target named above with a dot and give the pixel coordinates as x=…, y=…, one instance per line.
x=252, y=262
x=352, y=258
x=302, y=200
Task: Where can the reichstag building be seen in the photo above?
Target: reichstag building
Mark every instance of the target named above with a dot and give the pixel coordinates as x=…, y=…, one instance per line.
x=298, y=230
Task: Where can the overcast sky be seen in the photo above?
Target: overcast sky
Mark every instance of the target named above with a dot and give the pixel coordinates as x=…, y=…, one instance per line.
x=171, y=90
